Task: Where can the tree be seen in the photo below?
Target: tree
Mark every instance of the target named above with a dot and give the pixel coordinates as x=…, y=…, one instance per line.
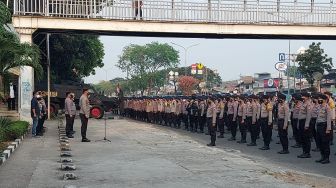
x=73, y=57
x=142, y=62
x=313, y=60
x=12, y=52
x=187, y=84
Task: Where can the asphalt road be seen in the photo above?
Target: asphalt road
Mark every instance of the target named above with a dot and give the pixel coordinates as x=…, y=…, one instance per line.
x=290, y=161
x=148, y=155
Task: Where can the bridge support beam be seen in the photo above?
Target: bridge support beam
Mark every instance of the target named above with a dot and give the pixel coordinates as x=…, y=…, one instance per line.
x=26, y=79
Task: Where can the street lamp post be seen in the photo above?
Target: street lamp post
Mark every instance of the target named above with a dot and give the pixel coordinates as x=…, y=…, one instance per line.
x=185, y=54
x=173, y=76
x=106, y=70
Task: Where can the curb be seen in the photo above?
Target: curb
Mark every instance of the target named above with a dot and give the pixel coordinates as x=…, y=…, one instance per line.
x=4, y=156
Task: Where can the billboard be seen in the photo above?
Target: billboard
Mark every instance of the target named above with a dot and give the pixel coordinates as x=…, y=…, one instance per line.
x=272, y=83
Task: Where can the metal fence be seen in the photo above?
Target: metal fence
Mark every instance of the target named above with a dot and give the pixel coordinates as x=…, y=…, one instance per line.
x=215, y=11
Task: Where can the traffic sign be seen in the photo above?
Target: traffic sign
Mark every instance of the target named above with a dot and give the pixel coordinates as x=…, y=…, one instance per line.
x=281, y=66
x=200, y=66
x=282, y=57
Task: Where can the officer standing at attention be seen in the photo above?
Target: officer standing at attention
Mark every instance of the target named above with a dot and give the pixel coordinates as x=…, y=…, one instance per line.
x=295, y=119
x=283, y=117
x=252, y=119
x=266, y=121
x=323, y=124
x=221, y=118
x=211, y=121
x=84, y=113
x=304, y=130
x=331, y=104
x=241, y=119
x=233, y=111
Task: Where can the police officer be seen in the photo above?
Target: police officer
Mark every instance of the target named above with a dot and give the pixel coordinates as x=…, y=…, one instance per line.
x=304, y=129
x=283, y=117
x=315, y=107
x=296, y=110
x=241, y=118
x=211, y=121
x=266, y=122
x=232, y=113
x=331, y=104
x=251, y=120
x=221, y=106
x=323, y=124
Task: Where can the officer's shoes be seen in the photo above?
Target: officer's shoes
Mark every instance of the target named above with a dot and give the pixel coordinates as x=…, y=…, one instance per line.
x=86, y=140
x=304, y=156
x=211, y=145
x=320, y=160
x=325, y=161
x=252, y=144
x=316, y=150
x=264, y=148
x=220, y=136
x=232, y=139
x=241, y=141
x=296, y=146
x=284, y=152
x=70, y=136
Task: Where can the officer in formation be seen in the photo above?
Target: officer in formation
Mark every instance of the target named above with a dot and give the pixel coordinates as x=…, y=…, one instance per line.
x=311, y=116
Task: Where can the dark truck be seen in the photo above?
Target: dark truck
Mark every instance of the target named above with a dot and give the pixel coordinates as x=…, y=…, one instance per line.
x=99, y=103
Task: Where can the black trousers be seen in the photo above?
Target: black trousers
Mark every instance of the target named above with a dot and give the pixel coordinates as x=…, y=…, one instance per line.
x=84, y=121
x=305, y=136
x=295, y=130
x=212, y=130
x=253, y=129
x=283, y=134
x=266, y=131
x=39, y=128
x=220, y=123
x=243, y=127
x=193, y=120
x=201, y=121
x=233, y=127
x=11, y=103
x=137, y=11
x=229, y=121
x=313, y=129
x=69, y=121
x=323, y=140
x=186, y=121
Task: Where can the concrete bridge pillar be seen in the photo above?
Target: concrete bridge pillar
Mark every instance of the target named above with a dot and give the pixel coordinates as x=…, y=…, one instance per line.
x=26, y=79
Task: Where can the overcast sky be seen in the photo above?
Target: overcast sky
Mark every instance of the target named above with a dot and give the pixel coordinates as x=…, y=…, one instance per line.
x=231, y=57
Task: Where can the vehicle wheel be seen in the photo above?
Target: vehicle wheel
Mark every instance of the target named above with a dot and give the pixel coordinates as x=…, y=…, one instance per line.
x=97, y=112
x=53, y=110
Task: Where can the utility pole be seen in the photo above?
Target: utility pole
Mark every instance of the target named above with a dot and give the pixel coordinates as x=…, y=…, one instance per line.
x=185, y=54
x=48, y=73
x=289, y=59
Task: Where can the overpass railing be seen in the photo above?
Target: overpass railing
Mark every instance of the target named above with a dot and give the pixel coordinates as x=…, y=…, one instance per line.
x=216, y=11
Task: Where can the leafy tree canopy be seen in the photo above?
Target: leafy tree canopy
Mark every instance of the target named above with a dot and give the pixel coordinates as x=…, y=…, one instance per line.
x=313, y=60
x=73, y=57
x=139, y=60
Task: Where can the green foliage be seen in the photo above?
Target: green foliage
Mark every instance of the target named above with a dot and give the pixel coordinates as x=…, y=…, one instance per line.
x=313, y=60
x=5, y=14
x=139, y=60
x=12, y=52
x=16, y=130
x=5, y=122
x=73, y=57
x=10, y=130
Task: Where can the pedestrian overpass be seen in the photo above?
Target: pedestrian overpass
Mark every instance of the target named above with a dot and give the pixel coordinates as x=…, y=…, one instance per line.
x=170, y=18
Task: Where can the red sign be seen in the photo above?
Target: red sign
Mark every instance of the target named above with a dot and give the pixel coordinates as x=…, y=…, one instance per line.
x=272, y=83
